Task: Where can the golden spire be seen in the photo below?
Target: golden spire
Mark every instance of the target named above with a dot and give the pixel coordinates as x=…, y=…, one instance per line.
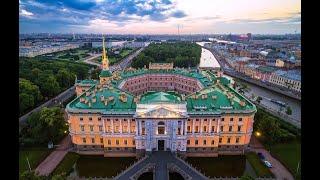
x=105, y=61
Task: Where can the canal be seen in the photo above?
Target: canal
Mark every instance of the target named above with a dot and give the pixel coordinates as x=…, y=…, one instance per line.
x=267, y=95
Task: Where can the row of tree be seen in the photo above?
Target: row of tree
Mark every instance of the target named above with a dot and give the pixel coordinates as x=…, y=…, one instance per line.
x=182, y=54
x=273, y=129
x=47, y=125
x=40, y=80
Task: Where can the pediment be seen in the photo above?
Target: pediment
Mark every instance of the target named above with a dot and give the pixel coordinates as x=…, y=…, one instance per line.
x=161, y=112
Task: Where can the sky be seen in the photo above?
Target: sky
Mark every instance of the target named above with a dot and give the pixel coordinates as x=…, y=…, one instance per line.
x=160, y=16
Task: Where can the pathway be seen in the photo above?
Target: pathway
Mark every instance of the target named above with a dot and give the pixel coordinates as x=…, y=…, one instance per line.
x=50, y=163
x=280, y=172
x=161, y=159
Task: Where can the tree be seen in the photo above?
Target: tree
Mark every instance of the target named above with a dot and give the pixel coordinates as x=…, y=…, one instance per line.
x=31, y=175
x=29, y=95
x=46, y=125
x=289, y=111
x=50, y=87
x=246, y=177
x=65, y=78
x=59, y=177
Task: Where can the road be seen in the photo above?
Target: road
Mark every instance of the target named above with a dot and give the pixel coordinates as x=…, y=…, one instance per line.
x=88, y=60
x=62, y=97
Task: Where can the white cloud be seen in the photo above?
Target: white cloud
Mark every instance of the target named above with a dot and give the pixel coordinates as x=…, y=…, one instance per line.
x=25, y=13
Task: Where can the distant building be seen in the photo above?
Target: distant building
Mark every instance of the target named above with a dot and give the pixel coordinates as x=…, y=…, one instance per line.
x=160, y=65
x=289, y=79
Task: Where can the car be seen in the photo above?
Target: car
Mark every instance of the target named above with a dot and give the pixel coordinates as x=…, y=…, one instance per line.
x=261, y=156
x=268, y=164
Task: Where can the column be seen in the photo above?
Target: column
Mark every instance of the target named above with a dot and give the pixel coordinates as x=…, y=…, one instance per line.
x=140, y=128
x=104, y=127
x=218, y=128
x=120, y=129
x=137, y=128
x=192, y=126
x=129, y=129
x=112, y=129
x=181, y=129
x=201, y=126
x=185, y=127
x=210, y=127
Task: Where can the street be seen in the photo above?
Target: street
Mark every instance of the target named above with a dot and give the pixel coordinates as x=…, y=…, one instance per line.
x=65, y=95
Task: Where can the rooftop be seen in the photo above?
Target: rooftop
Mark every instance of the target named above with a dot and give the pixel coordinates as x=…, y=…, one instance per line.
x=158, y=97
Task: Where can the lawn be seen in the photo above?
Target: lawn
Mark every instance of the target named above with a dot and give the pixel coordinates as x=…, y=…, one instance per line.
x=289, y=154
x=260, y=169
x=35, y=156
x=225, y=166
x=99, y=166
x=66, y=164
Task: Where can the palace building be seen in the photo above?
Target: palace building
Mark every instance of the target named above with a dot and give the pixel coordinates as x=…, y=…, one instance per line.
x=189, y=111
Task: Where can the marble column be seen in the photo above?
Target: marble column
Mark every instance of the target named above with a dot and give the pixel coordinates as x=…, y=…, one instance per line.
x=193, y=126
x=112, y=129
x=210, y=127
x=129, y=128
x=120, y=128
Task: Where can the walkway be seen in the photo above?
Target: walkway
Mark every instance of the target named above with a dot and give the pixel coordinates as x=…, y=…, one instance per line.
x=50, y=163
x=280, y=172
x=161, y=159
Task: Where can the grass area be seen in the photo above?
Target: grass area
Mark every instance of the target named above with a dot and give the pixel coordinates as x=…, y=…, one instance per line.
x=289, y=155
x=35, y=156
x=66, y=164
x=225, y=166
x=99, y=166
x=260, y=169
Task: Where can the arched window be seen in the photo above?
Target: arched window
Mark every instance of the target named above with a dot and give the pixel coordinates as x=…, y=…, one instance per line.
x=161, y=127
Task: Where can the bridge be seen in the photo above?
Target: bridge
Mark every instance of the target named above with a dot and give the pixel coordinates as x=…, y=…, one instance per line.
x=161, y=162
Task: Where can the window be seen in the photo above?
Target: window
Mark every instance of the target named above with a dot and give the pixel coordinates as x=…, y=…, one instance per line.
x=81, y=118
x=92, y=140
x=205, y=120
x=237, y=140
x=240, y=119
x=204, y=142
x=229, y=139
x=197, y=128
x=133, y=142
x=100, y=128
x=205, y=128
x=125, y=142
x=82, y=127
x=222, y=119
x=212, y=142
x=213, y=119
x=99, y=118
x=188, y=142
x=196, y=142
x=84, y=140
x=179, y=131
x=189, y=129
x=231, y=119
x=91, y=128
x=212, y=129
x=117, y=142
x=230, y=128
x=117, y=129
x=221, y=128
x=90, y=118
x=109, y=128
x=101, y=140
x=220, y=140
x=109, y=142
x=239, y=128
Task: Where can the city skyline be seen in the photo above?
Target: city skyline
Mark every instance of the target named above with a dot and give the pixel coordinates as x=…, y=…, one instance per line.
x=160, y=17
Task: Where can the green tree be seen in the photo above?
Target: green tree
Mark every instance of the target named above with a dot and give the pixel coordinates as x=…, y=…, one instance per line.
x=29, y=95
x=289, y=111
x=31, y=175
x=246, y=177
x=59, y=177
x=46, y=125
x=65, y=78
x=50, y=87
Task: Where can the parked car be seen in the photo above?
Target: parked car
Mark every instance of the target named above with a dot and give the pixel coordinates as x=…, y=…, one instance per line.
x=268, y=164
x=261, y=156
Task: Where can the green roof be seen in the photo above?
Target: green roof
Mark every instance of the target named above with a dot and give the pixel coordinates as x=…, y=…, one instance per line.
x=214, y=98
x=105, y=73
x=154, y=97
x=87, y=81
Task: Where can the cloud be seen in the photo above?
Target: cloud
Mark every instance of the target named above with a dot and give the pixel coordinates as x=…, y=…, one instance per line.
x=178, y=14
x=25, y=13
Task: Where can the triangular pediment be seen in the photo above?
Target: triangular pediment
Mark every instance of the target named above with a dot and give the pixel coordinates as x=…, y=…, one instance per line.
x=161, y=112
